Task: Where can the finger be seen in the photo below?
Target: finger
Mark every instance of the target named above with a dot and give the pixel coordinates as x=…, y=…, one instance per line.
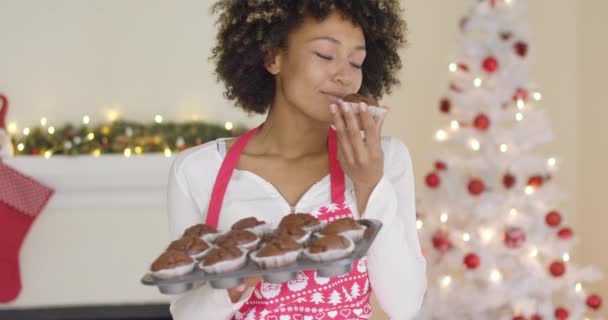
x=343, y=139
x=354, y=133
x=368, y=122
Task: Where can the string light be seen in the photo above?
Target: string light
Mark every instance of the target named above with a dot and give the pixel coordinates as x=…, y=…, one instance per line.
x=578, y=287
x=551, y=162
x=477, y=82
x=441, y=135
x=127, y=152
x=503, y=148
x=520, y=104
x=167, y=152
x=537, y=96
x=26, y=131
x=48, y=154
x=138, y=150
x=418, y=224
x=43, y=121
x=51, y=130
x=455, y=125
x=495, y=275
x=91, y=136
x=513, y=212
x=112, y=115
x=96, y=153
x=20, y=147
x=533, y=252
x=158, y=118
x=444, y=217
x=474, y=144
x=446, y=280
x=487, y=234
x=453, y=67
x=519, y=116
x=566, y=257
x=86, y=119
x=466, y=237
x=12, y=127
x=228, y=125
x=530, y=190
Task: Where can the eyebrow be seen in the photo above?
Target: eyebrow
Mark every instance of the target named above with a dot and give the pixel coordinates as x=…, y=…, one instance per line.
x=336, y=41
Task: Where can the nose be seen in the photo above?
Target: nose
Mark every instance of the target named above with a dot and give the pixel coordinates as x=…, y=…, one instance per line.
x=343, y=73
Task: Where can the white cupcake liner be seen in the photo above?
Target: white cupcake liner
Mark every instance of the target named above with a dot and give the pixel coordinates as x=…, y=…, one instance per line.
x=202, y=254
x=376, y=112
x=355, y=235
x=226, y=266
x=174, y=272
x=331, y=255
x=210, y=237
x=250, y=246
x=312, y=229
x=275, y=261
x=261, y=230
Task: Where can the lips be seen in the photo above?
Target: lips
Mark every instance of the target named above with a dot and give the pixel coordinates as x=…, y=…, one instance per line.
x=334, y=96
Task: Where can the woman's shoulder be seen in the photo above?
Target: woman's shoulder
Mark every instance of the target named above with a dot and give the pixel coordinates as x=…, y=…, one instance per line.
x=396, y=155
x=205, y=155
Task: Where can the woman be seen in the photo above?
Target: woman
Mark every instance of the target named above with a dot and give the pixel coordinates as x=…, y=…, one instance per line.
x=295, y=60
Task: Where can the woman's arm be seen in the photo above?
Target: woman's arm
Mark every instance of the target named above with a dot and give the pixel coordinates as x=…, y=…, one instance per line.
x=205, y=301
x=396, y=266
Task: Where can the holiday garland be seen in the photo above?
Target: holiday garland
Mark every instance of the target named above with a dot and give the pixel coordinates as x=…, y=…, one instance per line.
x=118, y=137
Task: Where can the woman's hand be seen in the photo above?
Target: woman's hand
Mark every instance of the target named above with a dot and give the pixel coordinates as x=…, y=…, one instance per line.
x=361, y=158
x=236, y=292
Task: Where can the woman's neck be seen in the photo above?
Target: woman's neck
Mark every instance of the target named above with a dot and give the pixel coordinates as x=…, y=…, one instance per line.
x=290, y=134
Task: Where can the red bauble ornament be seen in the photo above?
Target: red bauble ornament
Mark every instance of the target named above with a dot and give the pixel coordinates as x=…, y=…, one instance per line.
x=514, y=237
x=440, y=165
x=557, y=268
x=490, y=64
x=35, y=152
x=471, y=260
x=565, y=233
x=561, y=313
x=553, y=218
x=441, y=241
x=432, y=180
x=536, y=317
x=535, y=181
x=594, y=301
x=198, y=141
x=519, y=318
x=476, y=187
x=182, y=148
x=445, y=105
x=521, y=48
x=521, y=94
x=508, y=180
x=481, y=122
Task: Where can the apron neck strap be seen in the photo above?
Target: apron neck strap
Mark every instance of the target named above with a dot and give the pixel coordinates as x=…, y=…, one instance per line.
x=231, y=161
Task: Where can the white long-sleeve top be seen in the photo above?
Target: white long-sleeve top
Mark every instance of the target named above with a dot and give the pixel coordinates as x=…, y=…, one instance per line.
x=395, y=264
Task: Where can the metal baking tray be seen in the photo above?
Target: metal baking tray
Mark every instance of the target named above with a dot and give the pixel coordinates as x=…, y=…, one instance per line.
x=276, y=275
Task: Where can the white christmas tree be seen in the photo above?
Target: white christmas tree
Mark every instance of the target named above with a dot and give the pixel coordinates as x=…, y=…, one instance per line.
x=317, y=298
x=347, y=297
x=334, y=298
x=354, y=290
x=251, y=315
x=492, y=232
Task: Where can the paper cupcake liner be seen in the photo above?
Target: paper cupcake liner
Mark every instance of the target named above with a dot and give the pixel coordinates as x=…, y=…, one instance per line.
x=210, y=237
x=201, y=254
x=332, y=254
x=376, y=112
x=261, y=229
x=174, y=272
x=250, y=246
x=304, y=238
x=312, y=229
x=226, y=266
x=275, y=261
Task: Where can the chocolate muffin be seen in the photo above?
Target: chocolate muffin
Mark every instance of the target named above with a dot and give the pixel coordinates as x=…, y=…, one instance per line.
x=252, y=224
x=239, y=238
x=302, y=220
x=345, y=226
x=357, y=98
x=224, y=259
x=172, y=264
x=195, y=247
x=279, y=252
x=203, y=231
x=328, y=248
x=293, y=232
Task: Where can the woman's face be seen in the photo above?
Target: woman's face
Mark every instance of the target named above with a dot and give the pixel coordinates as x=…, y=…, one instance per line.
x=322, y=63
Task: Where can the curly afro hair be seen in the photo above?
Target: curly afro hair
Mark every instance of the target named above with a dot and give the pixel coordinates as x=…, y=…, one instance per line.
x=251, y=30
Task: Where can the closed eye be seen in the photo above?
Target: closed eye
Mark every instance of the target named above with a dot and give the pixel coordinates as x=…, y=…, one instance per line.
x=328, y=58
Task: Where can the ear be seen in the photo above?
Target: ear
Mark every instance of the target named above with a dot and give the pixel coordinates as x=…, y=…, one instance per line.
x=272, y=62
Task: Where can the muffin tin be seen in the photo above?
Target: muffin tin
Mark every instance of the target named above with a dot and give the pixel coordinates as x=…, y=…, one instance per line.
x=277, y=275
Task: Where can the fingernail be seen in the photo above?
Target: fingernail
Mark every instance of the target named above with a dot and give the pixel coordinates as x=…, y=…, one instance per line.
x=363, y=107
x=333, y=108
x=346, y=107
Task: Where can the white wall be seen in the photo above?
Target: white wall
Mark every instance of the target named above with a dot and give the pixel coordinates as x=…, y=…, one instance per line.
x=65, y=58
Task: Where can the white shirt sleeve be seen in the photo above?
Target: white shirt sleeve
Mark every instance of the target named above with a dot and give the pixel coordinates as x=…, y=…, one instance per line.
x=396, y=266
x=204, y=301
